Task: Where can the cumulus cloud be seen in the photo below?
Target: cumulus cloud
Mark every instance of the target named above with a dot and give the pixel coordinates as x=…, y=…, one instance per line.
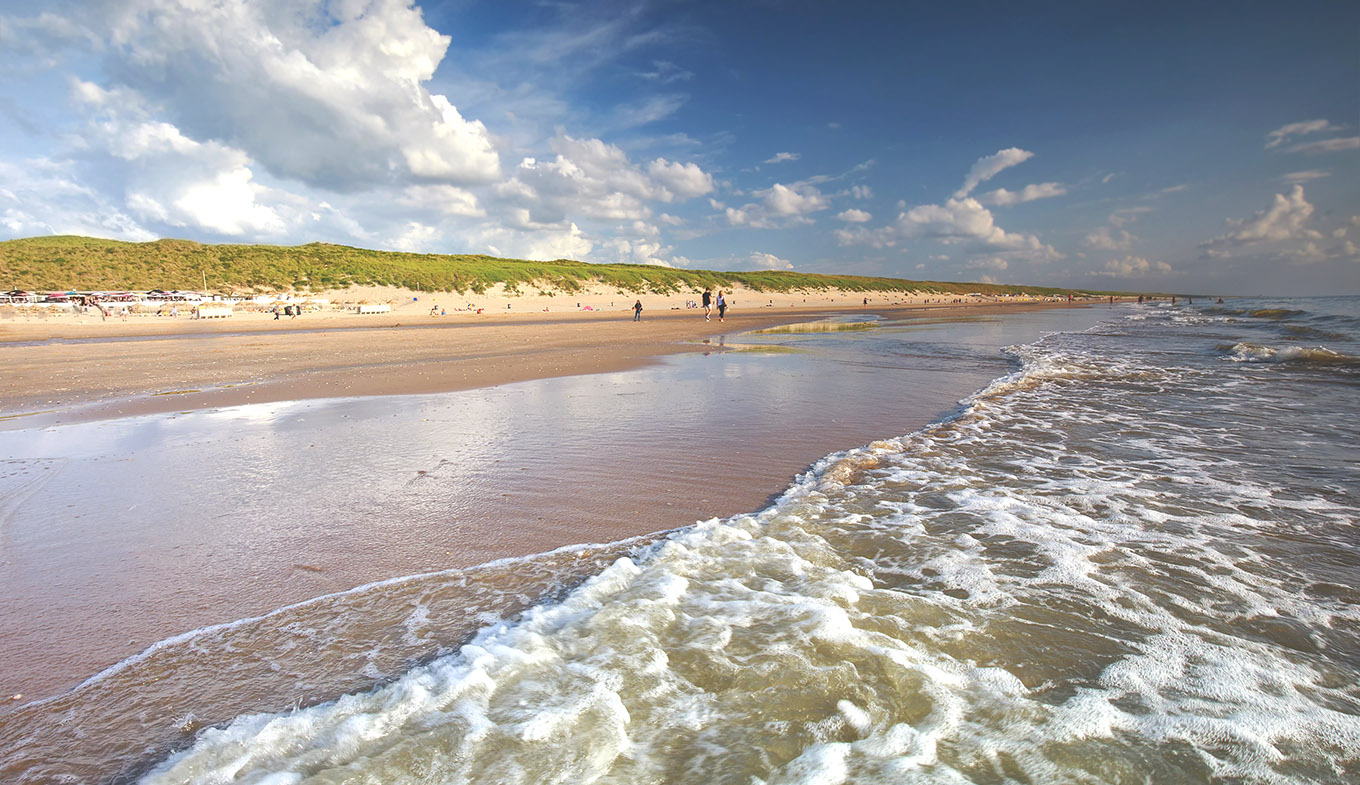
x=591, y=178
x=988, y=263
x=963, y=219
x=960, y=219
x=779, y=204
x=781, y=157
x=534, y=241
x=171, y=179
x=1004, y=198
x=855, y=216
x=682, y=181
x=768, y=261
x=330, y=94
x=1285, y=132
x=782, y=199
x=987, y=167
x=1284, y=219
x=1132, y=267
x=861, y=192
x=956, y=221
x=636, y=251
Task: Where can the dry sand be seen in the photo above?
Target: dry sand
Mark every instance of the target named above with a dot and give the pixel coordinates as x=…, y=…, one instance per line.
x=61, y=367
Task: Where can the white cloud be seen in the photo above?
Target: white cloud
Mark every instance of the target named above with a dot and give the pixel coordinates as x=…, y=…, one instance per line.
x=855, y=216
x=1328, y=145
x=416, y=237
x=861, y=192
x=987, y=167
x=1305, y=176
x=1282, y=134
x=781, y=157
x=683, y=180
x=41, y=197
x=330, y=94
x=779, y=204
x=956, y=221
x=1108, y=238
x=637, y=251
x=596, y=180
x=988, y=263
x=1132, y=267
x=962, y=219
x=446, y=199
x=786, y=200
x=768, y=261
x=1284, y=219
x=1004, y=198
x=537, y=242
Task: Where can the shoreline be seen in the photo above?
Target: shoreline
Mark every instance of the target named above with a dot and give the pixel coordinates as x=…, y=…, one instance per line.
x=558, y=467
x=61, y=371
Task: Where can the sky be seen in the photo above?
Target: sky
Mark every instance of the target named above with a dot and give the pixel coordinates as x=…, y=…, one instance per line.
x=1194, y=147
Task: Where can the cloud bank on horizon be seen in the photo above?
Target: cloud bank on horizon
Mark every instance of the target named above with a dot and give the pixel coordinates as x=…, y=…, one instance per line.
x=859, y=140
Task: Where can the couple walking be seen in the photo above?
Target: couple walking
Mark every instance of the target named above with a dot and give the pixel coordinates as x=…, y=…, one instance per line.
x=708, y=304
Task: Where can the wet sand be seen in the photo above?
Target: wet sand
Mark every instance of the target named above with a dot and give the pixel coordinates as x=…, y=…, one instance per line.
x=64, y=370
x=170, y=522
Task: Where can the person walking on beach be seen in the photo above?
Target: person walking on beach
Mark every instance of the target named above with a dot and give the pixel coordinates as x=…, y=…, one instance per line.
x=708, y=302
x=637, y=311
x=722, y=305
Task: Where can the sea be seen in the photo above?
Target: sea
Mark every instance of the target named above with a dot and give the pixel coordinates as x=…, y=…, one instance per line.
x=1129, y=557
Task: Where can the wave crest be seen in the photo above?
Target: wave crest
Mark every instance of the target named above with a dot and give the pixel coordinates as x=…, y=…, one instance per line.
x=1246, y=352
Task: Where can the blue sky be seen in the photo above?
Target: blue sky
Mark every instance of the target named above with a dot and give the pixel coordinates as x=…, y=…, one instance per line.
x=1202, y=147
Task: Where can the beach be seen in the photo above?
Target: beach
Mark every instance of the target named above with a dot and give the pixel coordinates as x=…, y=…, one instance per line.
x=61, y=367
x=154, y=371
x=681, y=514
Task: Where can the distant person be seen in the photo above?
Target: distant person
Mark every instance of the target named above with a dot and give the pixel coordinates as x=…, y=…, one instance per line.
x=722, y=305
x=276, y=313
x=637, y=311
x=708, y=302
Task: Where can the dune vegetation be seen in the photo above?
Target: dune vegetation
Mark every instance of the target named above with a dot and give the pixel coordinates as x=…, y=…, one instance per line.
x=85, y=263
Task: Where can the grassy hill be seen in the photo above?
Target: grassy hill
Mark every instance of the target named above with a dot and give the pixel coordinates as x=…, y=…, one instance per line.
x=85, y=263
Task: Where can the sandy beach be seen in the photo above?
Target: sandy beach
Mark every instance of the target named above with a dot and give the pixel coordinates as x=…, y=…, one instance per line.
x=554, y=488
x=65, y=368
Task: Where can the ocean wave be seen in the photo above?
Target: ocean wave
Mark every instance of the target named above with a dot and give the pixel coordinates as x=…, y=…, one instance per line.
x=1246, y=352
x=1275, y=313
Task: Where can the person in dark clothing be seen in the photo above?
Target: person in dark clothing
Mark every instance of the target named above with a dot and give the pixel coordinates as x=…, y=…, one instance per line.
x=637, y=311
x=708, y=302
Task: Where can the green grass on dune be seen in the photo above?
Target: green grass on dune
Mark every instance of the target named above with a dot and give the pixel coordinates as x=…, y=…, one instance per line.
x=85, y=263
